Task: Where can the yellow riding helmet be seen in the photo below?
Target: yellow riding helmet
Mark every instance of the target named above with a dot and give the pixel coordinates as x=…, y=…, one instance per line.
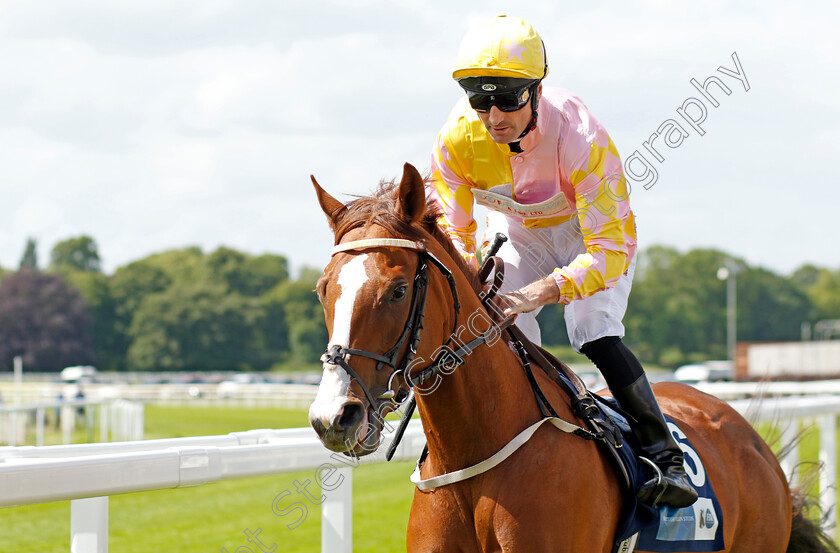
x=502, y=47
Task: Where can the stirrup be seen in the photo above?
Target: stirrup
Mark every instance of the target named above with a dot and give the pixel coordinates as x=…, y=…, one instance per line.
x=670, y=490
x=659, y=480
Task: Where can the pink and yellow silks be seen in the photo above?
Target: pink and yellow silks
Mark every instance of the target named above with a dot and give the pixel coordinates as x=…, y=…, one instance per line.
x=569, y=170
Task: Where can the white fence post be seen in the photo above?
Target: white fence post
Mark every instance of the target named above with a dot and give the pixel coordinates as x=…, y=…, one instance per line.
x=828, y=474
x=89, y=525
x=40, y=420
x=104, y=416
x=139, y=414
x=13, y=428
x=337, y=515
x=119, y=419
x=68, y=424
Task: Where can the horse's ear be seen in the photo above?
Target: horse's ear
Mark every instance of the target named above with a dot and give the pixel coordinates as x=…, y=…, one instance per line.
x=331, y=207
x=412, y=195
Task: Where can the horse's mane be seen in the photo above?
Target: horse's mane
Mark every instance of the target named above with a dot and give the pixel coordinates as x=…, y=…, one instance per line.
x=381, y=209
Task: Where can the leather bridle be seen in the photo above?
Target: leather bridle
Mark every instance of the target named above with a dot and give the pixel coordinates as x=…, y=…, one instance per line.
x=583, y=402
x=337, y=354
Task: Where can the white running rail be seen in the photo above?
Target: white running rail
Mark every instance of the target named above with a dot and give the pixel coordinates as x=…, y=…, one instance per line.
x=118, y=419
x=87, y=474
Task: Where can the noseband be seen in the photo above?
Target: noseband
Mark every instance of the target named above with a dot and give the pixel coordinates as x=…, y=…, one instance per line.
x=337, y=355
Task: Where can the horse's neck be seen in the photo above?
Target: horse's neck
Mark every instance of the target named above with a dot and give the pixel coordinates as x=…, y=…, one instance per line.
x=474, y=411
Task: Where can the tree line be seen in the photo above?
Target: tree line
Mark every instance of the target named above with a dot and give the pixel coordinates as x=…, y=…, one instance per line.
x=677, y=308
x=182, y=310
x=188, y=310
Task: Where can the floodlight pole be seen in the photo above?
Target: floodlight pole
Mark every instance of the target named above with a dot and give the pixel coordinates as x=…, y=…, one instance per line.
x=727, y=273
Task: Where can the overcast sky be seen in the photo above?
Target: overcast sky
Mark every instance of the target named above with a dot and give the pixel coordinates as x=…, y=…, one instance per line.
x=163, y=124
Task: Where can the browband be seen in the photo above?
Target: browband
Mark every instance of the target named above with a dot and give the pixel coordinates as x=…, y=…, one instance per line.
x=378, y=242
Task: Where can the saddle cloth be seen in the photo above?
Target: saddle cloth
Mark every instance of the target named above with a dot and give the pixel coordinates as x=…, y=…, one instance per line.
x=698, y=527
x=666, y=529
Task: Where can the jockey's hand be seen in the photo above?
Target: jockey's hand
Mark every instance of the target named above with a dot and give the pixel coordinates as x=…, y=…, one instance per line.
x=526, y=299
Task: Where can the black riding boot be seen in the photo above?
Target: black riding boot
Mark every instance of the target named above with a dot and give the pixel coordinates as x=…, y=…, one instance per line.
x=629, y=385
x=672, y=488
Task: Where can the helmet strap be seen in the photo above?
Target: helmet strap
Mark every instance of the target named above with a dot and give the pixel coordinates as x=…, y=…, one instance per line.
x=534, y=104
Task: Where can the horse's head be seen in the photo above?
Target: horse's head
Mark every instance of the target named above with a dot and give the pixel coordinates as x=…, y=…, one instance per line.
x=373, y=292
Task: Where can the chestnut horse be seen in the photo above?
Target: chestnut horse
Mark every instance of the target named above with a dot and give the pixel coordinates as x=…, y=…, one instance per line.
x=389, y=277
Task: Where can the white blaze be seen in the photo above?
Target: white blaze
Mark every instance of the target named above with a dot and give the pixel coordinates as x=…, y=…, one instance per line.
x=332, y=393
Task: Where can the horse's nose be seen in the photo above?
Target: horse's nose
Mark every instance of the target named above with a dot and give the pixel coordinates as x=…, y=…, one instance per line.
x=346, y=417
x=349, y=416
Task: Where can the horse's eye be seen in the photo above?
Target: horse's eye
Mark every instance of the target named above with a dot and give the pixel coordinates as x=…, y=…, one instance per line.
x=399, y=292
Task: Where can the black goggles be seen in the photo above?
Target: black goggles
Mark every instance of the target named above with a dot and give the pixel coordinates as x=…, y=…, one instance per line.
x=505, y=101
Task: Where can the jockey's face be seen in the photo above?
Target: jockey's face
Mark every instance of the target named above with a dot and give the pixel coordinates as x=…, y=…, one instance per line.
x=506, y=126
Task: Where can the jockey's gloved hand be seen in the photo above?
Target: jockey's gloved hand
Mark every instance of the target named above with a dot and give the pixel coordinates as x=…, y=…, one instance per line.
x=527, y=298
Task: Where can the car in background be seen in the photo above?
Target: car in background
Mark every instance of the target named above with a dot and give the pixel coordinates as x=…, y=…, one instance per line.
x=79, y=373
x=238, y=382
x=707, y=371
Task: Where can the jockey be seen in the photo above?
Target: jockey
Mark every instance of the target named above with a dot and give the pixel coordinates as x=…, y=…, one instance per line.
x=554, y=183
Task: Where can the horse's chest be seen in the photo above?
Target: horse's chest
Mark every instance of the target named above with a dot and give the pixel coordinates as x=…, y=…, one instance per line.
x=442, y=521
x=452, y=522
x=515, y=513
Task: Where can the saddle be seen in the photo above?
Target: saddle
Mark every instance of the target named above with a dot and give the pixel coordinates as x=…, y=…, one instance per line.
x=660, y=530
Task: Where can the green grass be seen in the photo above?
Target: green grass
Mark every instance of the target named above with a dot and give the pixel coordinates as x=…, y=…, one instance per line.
x=177, y=422
x=215, y=516
x=809, y=448
x=212, y=517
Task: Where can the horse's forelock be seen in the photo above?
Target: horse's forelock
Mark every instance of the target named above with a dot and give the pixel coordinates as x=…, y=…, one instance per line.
x=381, y=209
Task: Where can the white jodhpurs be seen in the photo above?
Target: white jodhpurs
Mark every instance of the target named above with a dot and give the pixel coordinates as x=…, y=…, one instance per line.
x=532, y=254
